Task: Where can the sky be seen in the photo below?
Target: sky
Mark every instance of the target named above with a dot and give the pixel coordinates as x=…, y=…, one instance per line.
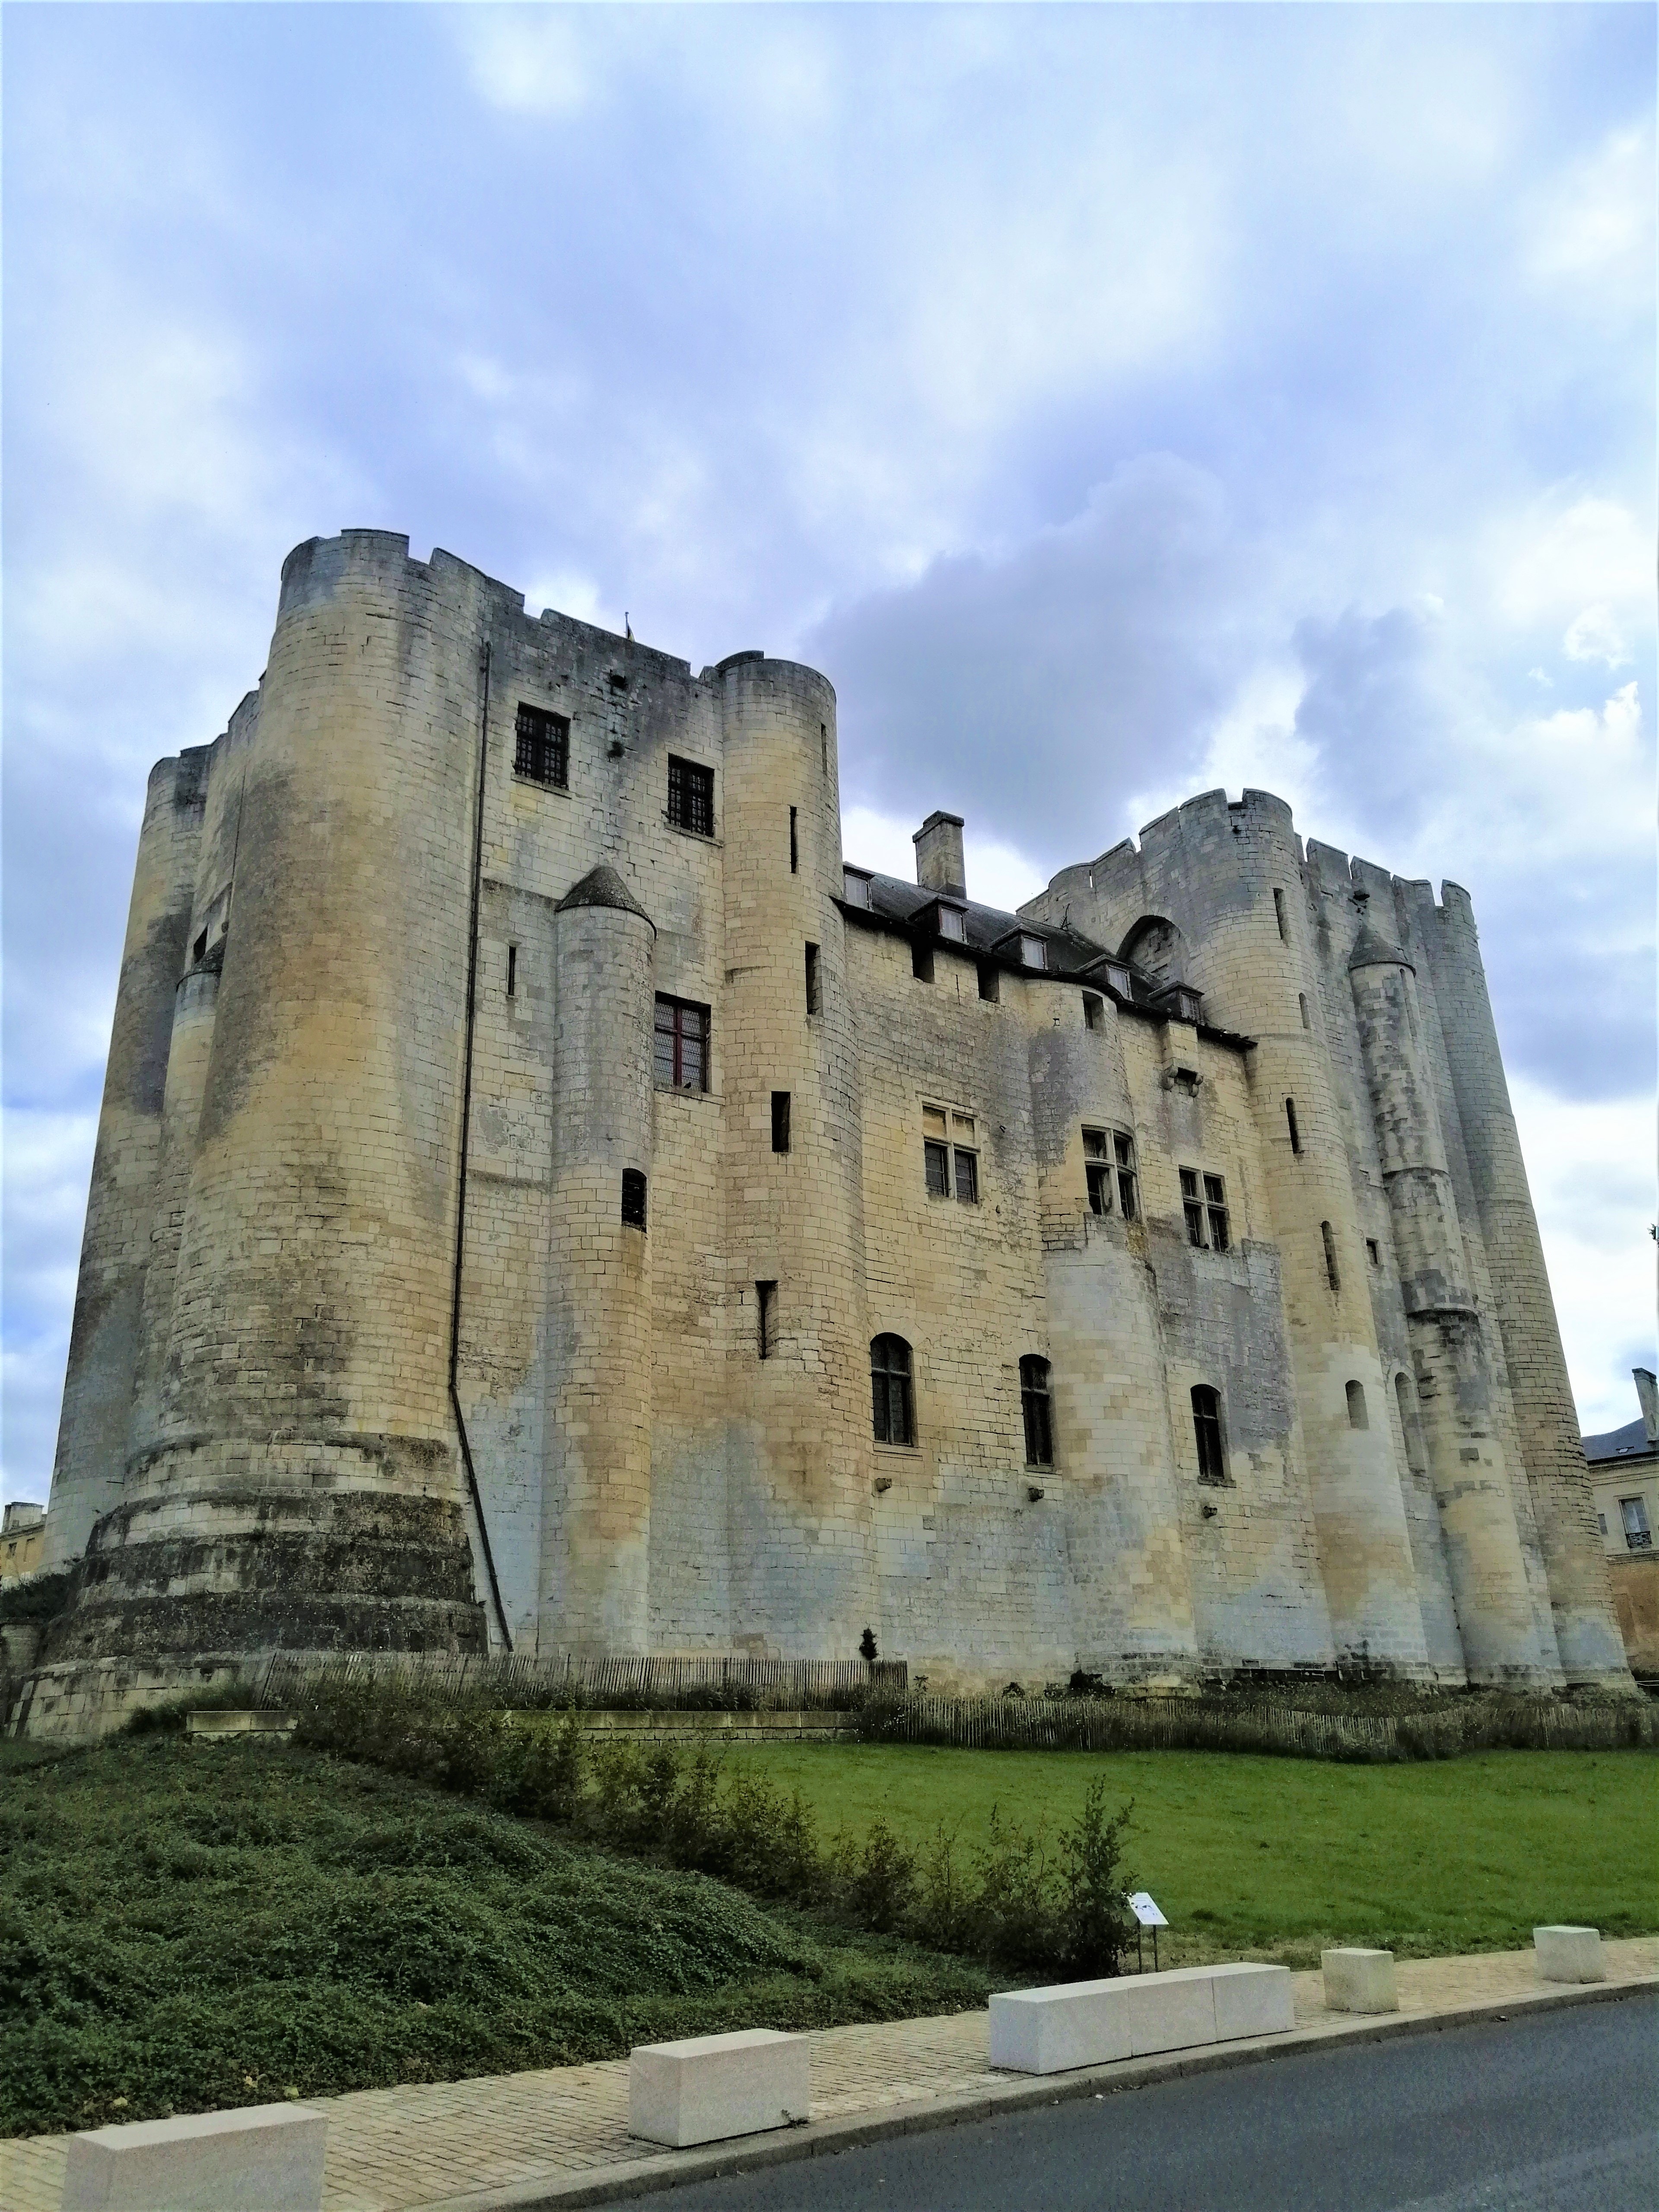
x=1114, y=402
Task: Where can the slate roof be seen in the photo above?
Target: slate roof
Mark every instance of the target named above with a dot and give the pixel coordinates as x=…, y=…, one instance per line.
x=1632, y=1442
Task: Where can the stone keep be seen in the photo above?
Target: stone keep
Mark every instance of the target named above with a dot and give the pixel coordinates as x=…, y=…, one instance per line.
x=371, y=1351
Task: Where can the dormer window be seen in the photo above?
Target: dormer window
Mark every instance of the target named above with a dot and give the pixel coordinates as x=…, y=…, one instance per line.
x=1117, y=979
x=1033, y=950
x=855, y=887
x=950, y=921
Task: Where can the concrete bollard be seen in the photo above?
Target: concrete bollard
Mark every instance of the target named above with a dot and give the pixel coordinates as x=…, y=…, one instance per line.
x=710, y=2087
x=1137, y=2015
x=266, y=2158
x=1569, y=1954
x=1359, y=1981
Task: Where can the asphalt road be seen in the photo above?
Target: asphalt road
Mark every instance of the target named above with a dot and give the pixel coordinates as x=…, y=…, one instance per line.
x=1555, y=2113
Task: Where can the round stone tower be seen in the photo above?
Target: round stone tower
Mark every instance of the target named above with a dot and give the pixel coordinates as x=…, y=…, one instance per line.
x=596, y=1514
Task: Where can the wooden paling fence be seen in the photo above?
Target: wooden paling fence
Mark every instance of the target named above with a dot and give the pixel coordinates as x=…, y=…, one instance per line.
x=799, y=1683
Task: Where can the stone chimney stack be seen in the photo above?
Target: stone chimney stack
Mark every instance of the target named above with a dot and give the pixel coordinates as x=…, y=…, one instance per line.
x=1645, y=1391
x=938, y=855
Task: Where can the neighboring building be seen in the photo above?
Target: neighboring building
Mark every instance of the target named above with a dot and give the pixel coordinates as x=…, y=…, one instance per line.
x=543, y=1194
x=22, y=1540
x=1624, y=1471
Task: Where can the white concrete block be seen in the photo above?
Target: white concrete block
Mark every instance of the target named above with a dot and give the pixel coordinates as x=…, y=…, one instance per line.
x=1052, y=2030
x=710, y=2087
x=1569, y=1954
x=265, y=2158
x=1252, y=1999
x=1359, y=1981
x=1170, y=2011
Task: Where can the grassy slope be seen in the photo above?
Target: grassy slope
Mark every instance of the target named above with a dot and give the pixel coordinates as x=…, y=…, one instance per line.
x=1275, y=1856
x=193, y=1927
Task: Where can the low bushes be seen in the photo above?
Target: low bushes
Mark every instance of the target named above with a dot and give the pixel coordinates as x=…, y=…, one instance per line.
x=1031, y=1902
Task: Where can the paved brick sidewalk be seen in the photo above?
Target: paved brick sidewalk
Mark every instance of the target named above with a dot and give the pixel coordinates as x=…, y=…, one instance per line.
x=534, y=2136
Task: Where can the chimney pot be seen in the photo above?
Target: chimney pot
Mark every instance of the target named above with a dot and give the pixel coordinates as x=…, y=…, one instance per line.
x=938, y=855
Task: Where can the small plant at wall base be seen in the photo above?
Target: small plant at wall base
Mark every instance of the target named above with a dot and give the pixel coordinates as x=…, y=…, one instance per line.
x=867, y=1647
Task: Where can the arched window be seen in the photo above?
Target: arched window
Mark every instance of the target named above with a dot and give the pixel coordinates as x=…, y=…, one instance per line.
x=1357, y=1416
x=892, y=1404
x=1034, y=1404
x=1207, y=1427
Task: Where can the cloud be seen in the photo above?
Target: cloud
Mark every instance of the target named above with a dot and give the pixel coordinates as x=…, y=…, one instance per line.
x=1594, y=223
x=1592, y=551
x=1595, y=636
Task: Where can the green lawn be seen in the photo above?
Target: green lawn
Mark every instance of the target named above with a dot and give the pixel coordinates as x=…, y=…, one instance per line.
x=189, y=1927
x=1277, y=1856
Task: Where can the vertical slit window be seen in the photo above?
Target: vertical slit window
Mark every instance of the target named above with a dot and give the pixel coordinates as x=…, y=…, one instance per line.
x=1207, y=1431
x=766, y=1319
x=1302, y=1001
x=1215, y=1200
x=988, y=983
x=1036, y=1408
x=541, y=748
x=1123, y=1149
x=1094, y=1011
x=633, y=1199
x=794, y=844
x=1357, y=1416
x=780, y=1121
x=512, y=971
x=1334, y=1279
x=892, y=1404
x=814, y=981
x=1279, y=916
x=691, y=796
x=681, y=1055
x=1291, y=1124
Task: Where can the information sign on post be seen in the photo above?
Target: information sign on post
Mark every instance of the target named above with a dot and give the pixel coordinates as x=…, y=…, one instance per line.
x=1146, y=1916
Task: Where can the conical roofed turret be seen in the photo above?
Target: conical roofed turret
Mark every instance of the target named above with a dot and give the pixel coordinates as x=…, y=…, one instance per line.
x=603, y=886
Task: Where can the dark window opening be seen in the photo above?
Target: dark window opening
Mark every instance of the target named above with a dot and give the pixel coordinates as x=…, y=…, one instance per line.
x=1290, y=1121
x=1302, y=1001
x=1330, y=1258
x=1094, y=1011
x=794, y=846
x=1192, y=1206
x=617, y=680
x=633, y=1199
x=968, y=1177
x=1215, y=1197
x=921, y=963
x=766, y=1319
x=1357, y=1416
x=680, y=1059
x=541, y=751
x=1633, y=1519
x=1098, y=1170
x=892, y=1405
x=780, y=1121
x=823, y=746
x=199, y=950
x=936, y=1168
x=814, y=983
x=691, y=796
x=1279, y=916
x=512, y=971
x=1206, y=1429
x=1036, y=1407
x=989, y=982
x=1124, y=1149
x=1373, y=1252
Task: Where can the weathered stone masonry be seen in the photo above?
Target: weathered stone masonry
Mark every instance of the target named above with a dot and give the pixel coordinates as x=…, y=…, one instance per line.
x=258, y=1450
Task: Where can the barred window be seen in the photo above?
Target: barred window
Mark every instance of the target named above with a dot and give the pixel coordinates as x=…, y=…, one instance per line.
x=1206, y=1429
x=1034, y=1406
x=892, y=1404
x=691, y=796
x=681, y=1060
x=542, y=749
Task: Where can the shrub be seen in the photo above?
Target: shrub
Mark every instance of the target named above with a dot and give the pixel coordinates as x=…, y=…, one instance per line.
x=1098, y=1924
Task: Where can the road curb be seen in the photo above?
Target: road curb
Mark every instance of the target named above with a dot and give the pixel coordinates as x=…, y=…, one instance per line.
x=820, y=2138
